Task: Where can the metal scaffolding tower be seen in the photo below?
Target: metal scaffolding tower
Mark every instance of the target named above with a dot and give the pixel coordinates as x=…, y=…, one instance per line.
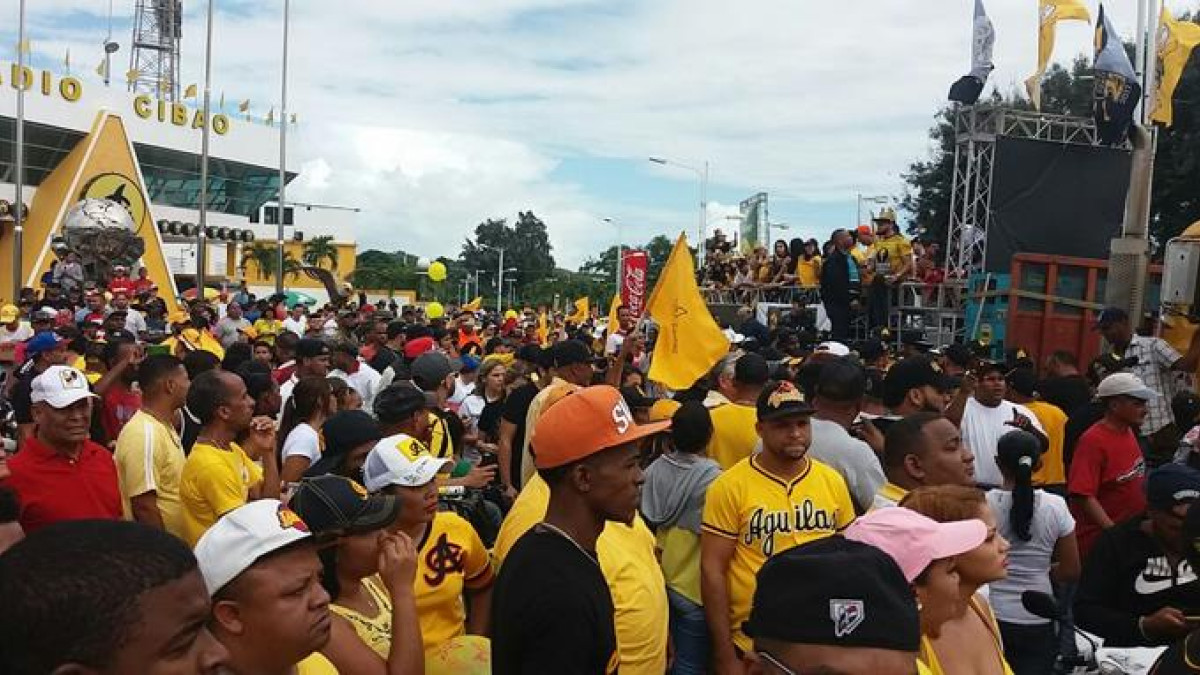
x=154, y=59
x=976, y=129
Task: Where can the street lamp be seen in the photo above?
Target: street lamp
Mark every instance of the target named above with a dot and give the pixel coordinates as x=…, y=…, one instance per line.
x=878, y=199
x=499, y=276
x=620, y=261
x=702, y=174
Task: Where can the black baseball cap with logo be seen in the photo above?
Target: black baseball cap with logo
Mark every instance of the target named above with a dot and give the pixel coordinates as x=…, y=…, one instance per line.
x=336, y=505
x=913, y=373
x=838, y=592
x=781, y=399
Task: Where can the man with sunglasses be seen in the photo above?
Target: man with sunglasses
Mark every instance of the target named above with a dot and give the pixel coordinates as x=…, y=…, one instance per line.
x=1137, y=588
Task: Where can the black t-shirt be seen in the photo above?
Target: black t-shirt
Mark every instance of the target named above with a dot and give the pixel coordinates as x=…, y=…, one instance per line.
x=551, y=610
x=384, y=357
x=489, y=420
x=1069, y=393
x=1079, y=422
x=22, y=392
x=516, y=407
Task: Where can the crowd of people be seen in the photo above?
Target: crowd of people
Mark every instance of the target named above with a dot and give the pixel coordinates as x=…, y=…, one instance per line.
x=855, y=272
x=239, y=486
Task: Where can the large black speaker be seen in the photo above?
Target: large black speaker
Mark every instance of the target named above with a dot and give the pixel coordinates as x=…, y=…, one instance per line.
x=725, y=313
x=1054, y=198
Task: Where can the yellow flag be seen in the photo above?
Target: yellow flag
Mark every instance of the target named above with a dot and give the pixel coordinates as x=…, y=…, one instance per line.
x=25, y=46
x=543, y=330
x=1176, y=39
x=474, y=305
x=1050, y=12
x=101, y=71
x=581, y=312
x=689, y=340
x=132, y=75
x=244, y=106
x=190, y=91
x=612, y=314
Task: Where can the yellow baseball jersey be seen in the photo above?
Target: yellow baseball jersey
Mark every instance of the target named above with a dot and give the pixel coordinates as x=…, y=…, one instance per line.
x=450, y=559
x=808, y=272
x=268, y=329
x=1054, y=422
x=891, y=254
x=149, y=458
x=734, y=436
x=630, y=568
x=766, y=515
x=441, y=445
x=214, y=482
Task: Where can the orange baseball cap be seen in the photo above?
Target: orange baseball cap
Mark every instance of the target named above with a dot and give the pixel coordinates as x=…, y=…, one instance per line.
x=583, y=423
x=866, y=229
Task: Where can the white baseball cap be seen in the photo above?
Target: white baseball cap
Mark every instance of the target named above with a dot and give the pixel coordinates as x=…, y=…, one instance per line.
x=243, y=536
x=389, y=463
x=835, y=348
x=60, y=386
x=1125, y=384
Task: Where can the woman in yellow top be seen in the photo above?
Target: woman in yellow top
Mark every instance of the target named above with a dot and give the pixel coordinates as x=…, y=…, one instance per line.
x=808, y=265
x=368, y=573
x=970, y=643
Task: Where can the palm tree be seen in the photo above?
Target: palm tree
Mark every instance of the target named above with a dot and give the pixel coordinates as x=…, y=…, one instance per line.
x=265, y=259
x=320, y=249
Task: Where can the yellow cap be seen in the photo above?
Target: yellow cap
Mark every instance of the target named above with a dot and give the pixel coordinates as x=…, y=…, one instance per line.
x=9, y=313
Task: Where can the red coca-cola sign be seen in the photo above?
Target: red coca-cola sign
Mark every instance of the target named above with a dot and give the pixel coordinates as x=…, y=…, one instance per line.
x=633, y=283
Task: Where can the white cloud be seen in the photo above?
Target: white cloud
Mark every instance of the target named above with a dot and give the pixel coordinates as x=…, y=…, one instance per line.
x=434, y=115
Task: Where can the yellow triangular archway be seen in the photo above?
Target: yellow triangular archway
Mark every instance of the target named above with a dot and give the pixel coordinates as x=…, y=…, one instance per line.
x=102, y=161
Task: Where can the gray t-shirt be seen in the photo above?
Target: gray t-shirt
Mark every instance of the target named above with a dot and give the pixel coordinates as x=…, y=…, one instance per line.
x=854, y=459
x=228, y=330
x=1028, y=561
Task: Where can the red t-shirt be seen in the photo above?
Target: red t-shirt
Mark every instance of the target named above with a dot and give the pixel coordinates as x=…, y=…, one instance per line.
x=118, y=406
x=121, y=284
x=284, y=372
x=52, y=488
x=1109, y=466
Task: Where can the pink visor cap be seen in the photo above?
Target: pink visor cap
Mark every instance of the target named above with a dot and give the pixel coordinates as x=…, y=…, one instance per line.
x=913, y=540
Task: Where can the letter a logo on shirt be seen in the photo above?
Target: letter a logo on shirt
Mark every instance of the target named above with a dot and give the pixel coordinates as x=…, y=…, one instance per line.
x=847, y=615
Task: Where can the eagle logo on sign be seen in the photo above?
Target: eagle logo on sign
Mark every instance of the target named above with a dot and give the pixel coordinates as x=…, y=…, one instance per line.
x=847, y=615
x=118, y=189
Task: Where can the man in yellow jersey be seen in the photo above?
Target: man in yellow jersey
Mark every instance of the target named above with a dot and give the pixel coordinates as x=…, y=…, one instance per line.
x=219, y=475
x=626, y=554
x=892, y=257
x=854, y=612
x=924, y=448
x=556, y=605
x=764, y=505
x=734, y=436
x=1022, y=390
x=149, y=454
x=260, y=566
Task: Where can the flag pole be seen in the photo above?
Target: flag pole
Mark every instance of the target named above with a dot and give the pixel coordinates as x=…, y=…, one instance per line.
x=283, y=124
x=202, y=235
x=19, y=211
x=1149, y=79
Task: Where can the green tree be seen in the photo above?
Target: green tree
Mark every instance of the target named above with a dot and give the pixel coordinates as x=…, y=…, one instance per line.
x=526, y=246
x=266, y=260
x=604, y=266
x=319, y=249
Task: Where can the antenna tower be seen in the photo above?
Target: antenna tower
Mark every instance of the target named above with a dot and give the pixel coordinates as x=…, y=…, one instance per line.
x=157, y=29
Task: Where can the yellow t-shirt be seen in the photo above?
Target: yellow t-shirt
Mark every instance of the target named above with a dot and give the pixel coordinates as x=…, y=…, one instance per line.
x=928, y=658
x=268, y=329
x=630, y=568
x=681, y=561
x=441, y=445
x=734, y=436
x=212, y=483
x=149, y=458
x=808, y=272
x=864, y=256
x=315, y=664
x=767, y=515
x=1054, y=423
x=374, y=631
x=891, y=253
x=531, y=417
x=450, y=558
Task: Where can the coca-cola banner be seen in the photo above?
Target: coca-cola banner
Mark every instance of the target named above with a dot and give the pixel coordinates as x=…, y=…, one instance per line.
x=633, y=286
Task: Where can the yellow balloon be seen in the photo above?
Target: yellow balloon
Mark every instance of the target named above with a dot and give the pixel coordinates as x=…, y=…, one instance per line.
x=434, y=310
x=437, y=271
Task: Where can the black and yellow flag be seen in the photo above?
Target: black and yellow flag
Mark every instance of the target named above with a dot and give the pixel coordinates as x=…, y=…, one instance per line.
x=1176, y=40
x=1116, y=90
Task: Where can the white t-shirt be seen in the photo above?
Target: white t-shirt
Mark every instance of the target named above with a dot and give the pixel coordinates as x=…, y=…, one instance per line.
x=461, y=391
x=1028, y=561
x=613, y=344
x=297, y=326
x=471, y=409
x=303, y=441
x=365, y=381
x=134, y=322
x=982, y=427
x=23, y=332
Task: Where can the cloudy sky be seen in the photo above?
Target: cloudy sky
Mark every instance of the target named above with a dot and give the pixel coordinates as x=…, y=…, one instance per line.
x=432, y=115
